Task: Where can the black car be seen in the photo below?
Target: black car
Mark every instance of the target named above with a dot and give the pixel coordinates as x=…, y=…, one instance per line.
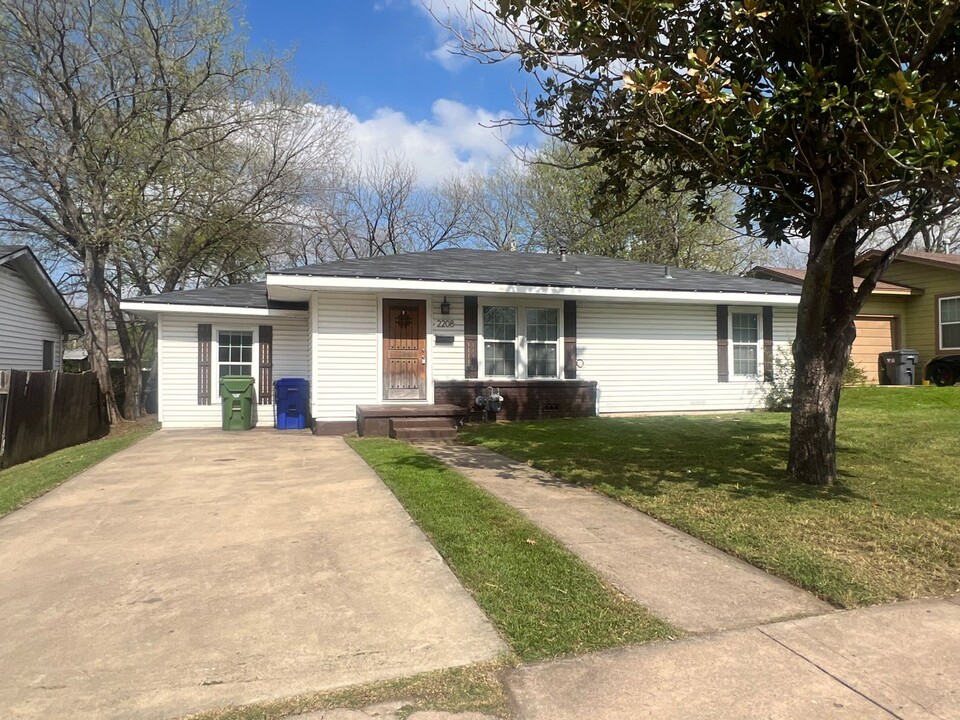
x=943, y=370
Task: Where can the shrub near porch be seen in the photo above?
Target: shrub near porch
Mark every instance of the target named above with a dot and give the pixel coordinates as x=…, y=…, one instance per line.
x=890, y=529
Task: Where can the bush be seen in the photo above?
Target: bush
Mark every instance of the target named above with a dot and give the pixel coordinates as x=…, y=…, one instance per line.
x=779, y=392
x=854, y=375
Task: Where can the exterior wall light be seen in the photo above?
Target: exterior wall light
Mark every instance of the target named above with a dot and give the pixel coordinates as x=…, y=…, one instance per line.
x=444, y=306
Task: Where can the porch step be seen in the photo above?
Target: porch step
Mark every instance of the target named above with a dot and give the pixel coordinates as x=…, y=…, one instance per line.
x=379, y=420
x=423, y=428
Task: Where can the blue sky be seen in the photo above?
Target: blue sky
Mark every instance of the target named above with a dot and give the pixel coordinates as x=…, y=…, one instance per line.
x=384, y=62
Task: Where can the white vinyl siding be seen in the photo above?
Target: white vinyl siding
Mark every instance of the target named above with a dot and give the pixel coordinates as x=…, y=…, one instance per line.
x=346, y=354
x=178, y=364
x=447, y=360
x=651, y=357
x=25, y=323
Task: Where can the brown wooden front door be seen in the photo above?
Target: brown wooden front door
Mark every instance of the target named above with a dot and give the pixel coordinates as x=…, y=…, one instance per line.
x=404, y=350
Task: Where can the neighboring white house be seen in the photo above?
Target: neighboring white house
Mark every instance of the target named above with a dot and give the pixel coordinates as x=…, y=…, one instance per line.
x=34, y=317
x=559, y=335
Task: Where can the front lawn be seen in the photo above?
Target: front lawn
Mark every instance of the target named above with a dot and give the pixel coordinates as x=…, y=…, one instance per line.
x=544, y=600
x=889, y=530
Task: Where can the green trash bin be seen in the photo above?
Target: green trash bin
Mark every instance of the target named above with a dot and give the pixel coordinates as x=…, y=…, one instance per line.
x=236, y=400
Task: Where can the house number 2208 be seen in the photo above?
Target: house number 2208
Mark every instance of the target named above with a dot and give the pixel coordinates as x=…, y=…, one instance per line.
x=444, y=323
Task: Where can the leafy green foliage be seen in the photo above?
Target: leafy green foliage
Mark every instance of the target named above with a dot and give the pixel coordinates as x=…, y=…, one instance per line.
x=831, y=119
x=769, y=96
x=567, y=199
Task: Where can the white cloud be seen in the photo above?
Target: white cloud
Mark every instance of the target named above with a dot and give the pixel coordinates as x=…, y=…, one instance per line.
x=448, y=17
x=456, y=138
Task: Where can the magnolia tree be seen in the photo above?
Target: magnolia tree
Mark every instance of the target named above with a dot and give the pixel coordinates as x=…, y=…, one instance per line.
x=831, y=119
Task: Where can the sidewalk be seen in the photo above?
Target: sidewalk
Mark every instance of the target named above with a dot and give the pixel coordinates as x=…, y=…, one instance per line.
x=678, y=578
x=891, y=661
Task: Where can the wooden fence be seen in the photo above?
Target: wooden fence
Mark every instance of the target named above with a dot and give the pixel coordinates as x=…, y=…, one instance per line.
x=46, y=411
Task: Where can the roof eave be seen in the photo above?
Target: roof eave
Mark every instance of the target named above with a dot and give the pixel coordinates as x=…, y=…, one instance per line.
x=353, y=284
x=150, y=309
x=873, y=254
x=25, y=262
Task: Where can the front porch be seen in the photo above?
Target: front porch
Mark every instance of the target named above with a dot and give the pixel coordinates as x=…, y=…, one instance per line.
x=410, y=422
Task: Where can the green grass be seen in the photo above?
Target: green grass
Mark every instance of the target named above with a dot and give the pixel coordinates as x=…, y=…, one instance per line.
x=545, y=601
x=22, y=483
x=890, y=529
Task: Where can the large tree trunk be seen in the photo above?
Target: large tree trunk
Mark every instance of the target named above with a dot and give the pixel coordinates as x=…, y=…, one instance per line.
x=825, y=334
x=98, y=334
x=132, y=361
x=818, y=378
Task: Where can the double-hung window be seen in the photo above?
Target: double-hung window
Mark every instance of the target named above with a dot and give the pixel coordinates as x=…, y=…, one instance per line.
x=543, y=334
x=949, y=314
x=500, y=340
x=520, y=341
x=235, y=352
x=745, y=343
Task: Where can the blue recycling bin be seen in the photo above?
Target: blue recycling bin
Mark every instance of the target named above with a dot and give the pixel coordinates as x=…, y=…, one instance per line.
x=290, y=398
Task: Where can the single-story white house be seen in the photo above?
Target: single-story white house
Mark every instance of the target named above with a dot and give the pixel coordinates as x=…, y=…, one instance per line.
x=559, y=335
x=34, y=317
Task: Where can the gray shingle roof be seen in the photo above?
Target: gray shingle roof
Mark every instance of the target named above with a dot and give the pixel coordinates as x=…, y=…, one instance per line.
x=484, y=266
x=22, y=259
x=244, y=295
x=539, y=269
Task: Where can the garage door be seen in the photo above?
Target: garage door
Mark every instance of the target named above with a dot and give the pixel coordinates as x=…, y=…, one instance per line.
x=874, y=336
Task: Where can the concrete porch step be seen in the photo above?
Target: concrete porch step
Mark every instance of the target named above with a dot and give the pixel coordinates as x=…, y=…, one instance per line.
x=424, y=428
x=380, y=420
x=425, y=434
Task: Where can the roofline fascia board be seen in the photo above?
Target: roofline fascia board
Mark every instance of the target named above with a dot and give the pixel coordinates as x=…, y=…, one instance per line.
x=872, y=254
x=155, y=308
x=678, y=296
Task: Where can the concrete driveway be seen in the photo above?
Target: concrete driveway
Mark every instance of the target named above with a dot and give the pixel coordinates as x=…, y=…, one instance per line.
x=201, y=569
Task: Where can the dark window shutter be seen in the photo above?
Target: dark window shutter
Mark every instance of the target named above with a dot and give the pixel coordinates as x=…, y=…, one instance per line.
x=470, y=314
x=723, y=340
x=204, y=337
x=570, y=339
x=767, y=343
x=265, y=336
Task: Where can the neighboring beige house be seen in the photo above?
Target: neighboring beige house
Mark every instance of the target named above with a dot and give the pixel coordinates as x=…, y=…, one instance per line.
x=34, y=317
x=916, y=306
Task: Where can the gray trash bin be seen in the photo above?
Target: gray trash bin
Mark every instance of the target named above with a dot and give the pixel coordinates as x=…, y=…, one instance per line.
x=899, y=367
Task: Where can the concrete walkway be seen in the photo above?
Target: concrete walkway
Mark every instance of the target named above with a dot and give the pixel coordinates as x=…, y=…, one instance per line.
x=680, y=579
x=897, y=661
x=202, y=569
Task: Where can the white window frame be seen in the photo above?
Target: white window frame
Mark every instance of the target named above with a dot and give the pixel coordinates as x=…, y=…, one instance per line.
x=758, y=372
x=520, y=341
x=941, y=323
x=215, y=354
